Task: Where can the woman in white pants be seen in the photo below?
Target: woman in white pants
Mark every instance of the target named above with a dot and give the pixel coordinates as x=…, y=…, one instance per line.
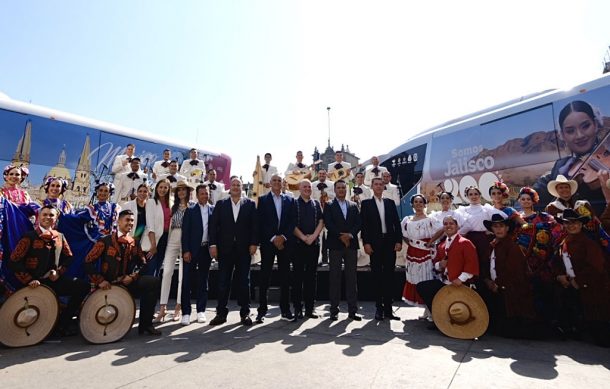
x=182, y=194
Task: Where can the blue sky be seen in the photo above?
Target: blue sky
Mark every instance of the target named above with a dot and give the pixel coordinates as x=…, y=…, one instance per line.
x=247, y=77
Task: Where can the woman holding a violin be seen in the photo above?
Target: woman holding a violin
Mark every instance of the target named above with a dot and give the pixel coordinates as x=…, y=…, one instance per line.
x=580, y=128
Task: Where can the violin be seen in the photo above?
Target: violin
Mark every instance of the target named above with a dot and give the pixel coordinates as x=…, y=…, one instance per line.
x=587, y=171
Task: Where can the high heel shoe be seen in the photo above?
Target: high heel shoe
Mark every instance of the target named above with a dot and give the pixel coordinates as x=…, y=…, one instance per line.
x=177, y=312
x=160, y=318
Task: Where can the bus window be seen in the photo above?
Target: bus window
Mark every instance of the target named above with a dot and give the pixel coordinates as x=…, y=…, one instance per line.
x=406, y=169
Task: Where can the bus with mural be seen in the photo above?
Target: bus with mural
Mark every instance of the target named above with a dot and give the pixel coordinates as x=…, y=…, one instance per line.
x=81, y=150
x=527, y=141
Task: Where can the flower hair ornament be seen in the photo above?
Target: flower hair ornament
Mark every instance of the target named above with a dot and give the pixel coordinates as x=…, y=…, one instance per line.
x=24, y=171
x=501, y=186
x=62, y=182
x=531, y=192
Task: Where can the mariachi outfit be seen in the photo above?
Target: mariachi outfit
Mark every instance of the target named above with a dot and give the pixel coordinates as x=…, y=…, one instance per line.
x=36, y=255
x=418, y=267
x=114, y=257
x=512, y=306
x=462, y=263
x=582, y=261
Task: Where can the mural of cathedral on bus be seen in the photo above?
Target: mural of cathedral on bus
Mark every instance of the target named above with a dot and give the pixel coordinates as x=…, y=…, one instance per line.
x=79, y=183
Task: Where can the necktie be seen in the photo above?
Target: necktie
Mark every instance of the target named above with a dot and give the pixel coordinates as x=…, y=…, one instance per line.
x=165, y=164
x=172, y=179
x=322, y=186
x=357, y=191
x=194, y=162
x=133, y=176
x=375, y=171
x=266, y=167
x=300, y=165
x=338, y=166
x=212, y=186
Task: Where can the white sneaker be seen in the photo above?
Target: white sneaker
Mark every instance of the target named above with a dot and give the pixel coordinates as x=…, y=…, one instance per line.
x=186, y=320
x=201, y=317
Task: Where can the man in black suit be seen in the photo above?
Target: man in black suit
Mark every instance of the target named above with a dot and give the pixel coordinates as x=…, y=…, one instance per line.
x=196, y=254
x=342, y=220
x=276, y=228
x=233, y=241
x=382, y=238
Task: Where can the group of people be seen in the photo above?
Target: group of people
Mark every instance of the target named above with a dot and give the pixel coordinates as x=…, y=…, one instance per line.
x=538, y=272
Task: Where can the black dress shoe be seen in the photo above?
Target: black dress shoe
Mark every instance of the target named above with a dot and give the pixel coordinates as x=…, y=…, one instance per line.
x=260, y=318
x=334, y=317
x=311, y=315
x=288, y=316
x=391, y=316
x=150, y=330
x=217, y=320
x=299, y=315
x=246, y=321
x=354, y=317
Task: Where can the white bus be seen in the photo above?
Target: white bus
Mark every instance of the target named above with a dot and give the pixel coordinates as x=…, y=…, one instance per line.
x=523, y=142
x=80, y=150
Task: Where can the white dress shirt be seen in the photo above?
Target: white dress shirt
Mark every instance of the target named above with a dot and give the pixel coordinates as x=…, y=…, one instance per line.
x=236, y=208
x=381, y=209
x=205, y=217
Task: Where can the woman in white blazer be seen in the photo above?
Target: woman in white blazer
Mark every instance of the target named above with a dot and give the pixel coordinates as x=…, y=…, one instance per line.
x=158, y=219
x=138, y=207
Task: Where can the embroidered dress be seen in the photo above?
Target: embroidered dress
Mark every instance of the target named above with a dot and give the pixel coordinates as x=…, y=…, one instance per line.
x=418, y=265
x=16, y=195
x=106, y=215
x=21, y=198
x=536, y=238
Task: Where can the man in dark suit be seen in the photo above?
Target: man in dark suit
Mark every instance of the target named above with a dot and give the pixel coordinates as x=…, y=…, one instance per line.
x=382, y=238
x=342, y=220
x=233, y=240
x=196, y=254
x=276, y=228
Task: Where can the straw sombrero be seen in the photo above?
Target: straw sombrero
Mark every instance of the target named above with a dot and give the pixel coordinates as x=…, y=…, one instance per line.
x=182, y=184
x=459, y=312
x=28, y=316
x=107, y=315
x=561, y=180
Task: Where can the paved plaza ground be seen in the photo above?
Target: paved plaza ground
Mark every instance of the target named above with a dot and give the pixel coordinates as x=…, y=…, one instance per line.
x=310, y=353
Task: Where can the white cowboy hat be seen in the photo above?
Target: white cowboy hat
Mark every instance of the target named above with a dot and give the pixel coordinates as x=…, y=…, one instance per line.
x=561, y=180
